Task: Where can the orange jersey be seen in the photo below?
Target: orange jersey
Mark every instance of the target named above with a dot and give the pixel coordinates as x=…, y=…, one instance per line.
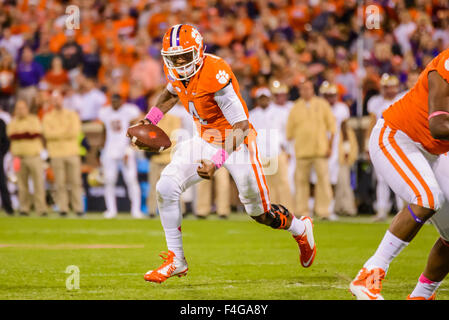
x=198, y=97
x=410, y=113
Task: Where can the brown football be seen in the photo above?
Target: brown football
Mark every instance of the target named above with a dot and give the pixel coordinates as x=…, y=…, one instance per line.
x=149, y=137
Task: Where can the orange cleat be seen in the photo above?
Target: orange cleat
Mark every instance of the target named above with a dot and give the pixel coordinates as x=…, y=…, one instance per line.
x=368, y=284
x=171, y=267
x=432, y=297
x=306, y=243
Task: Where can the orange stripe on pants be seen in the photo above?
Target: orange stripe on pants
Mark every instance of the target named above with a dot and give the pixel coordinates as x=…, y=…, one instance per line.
x=411, y=168
x=261, y=191
x=397, y=167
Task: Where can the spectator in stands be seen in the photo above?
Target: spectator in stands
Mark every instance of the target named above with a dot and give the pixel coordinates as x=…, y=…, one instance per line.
x=29, y=73
x=309, y=125
x=25, y=133
x=56, y=78
x=11, y=42
x=71, y=52
x=4, y=148
x=61, y=129
x=88, y=100
x=7, y=82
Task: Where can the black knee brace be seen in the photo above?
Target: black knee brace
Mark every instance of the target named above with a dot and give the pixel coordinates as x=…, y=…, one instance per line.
x=280, y=216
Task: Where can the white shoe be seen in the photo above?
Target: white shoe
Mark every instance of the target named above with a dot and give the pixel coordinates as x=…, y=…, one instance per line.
x=138, y=215
x=171, y=267
x=109, y=215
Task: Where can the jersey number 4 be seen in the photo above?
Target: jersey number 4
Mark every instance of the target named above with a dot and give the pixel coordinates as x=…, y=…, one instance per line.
x=195, y=114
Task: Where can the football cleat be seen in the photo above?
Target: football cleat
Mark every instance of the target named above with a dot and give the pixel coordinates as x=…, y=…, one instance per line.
x=109, y=215
x=171, y=267
x=368, y=284
x=432, y=297
x=306, y=243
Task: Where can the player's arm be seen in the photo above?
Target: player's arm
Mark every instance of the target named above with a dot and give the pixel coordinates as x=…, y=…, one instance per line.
x=234, y=112
x=165, y=102
x=438, y=106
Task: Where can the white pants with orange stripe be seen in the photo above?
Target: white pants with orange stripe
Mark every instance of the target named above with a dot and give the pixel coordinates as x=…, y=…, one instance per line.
x=414, y=174
x=243, y=164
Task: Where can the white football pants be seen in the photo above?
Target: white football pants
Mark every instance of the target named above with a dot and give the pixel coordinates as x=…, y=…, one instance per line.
x=414, y=174
x=129, y=171
x=244, y=165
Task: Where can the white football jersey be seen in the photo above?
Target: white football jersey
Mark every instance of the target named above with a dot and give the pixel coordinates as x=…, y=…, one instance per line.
x=270, y=124
x=378, y=104
x=116, y=123
x=341, y=113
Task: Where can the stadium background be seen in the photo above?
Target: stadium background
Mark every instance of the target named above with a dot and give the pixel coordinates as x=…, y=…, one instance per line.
x=286, y=40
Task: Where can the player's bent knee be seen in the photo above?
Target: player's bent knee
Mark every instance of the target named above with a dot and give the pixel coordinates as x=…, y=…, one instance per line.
x=167, y=189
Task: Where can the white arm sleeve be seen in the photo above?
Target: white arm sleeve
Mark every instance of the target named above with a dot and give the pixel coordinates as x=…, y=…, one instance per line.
x=230, y=105
x=171, y=89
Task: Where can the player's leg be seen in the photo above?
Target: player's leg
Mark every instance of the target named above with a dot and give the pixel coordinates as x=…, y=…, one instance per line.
x=61, y=193
x=129, y=169
x=302, y=178
x=73, y=169
x=177, y=176
x=409, y=174
x=245, y=167
x=22, y=186
x=438, y=261
x=110, y=172
x=382, y=198
x=323, y=190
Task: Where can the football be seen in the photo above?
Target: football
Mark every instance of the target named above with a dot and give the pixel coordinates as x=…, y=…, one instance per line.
x=149, y=137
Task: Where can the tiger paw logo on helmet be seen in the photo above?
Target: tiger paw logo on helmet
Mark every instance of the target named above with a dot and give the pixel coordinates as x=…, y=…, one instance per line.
x=222, y=77
x=196, y=35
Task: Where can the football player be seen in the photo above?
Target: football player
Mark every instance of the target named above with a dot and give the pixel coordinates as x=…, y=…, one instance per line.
x=118, y=154
x=208, y=89
x=408, y=146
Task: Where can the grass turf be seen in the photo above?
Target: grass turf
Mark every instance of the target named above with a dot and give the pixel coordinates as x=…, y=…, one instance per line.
x=228, y=259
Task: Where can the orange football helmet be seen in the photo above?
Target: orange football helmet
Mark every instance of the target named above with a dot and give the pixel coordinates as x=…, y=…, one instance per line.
x=182, y=51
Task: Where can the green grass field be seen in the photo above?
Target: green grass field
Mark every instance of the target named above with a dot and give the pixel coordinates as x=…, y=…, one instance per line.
x=228, y=259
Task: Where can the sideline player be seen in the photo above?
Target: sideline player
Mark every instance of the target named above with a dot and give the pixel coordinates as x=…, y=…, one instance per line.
x=208, y=89
x=408, y=148
x=117, y=153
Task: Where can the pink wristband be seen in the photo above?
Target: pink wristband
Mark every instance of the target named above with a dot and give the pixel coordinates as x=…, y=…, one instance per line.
x=437, y=113
x=154, y=115
x=219, y=158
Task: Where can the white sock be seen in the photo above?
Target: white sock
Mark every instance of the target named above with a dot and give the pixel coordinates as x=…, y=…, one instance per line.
x=173, y=236
x=297, y=227
x=389, y=248
x=425, y=287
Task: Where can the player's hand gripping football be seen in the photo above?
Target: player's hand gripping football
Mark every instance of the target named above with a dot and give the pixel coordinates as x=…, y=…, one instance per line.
x=206, y=169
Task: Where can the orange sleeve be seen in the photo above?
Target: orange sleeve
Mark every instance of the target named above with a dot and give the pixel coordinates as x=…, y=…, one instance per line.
x=442, y=66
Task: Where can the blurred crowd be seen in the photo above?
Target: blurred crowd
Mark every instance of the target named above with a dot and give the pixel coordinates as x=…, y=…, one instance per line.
x=114, y=55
